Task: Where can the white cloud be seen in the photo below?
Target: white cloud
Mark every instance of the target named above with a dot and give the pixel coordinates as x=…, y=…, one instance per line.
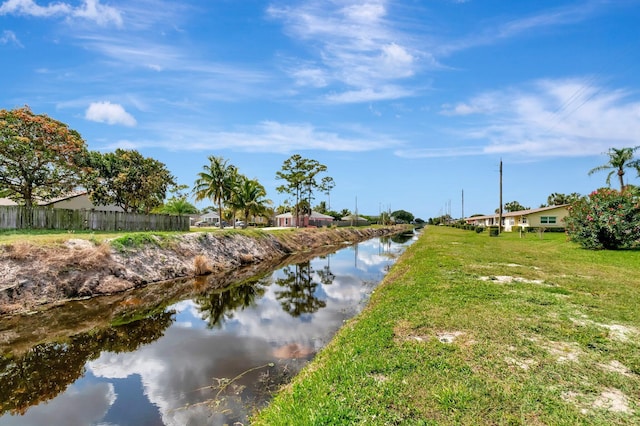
x=354, y=45
x=267, y=136
x=30, y=8
x=314, y=77
x=494, y=32
x=9, y=37
x=369, y=95
x=106, y=112
x=103, y=15
x=91, y=10
x=548, y=118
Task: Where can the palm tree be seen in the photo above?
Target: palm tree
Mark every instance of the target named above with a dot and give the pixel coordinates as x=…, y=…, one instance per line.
x=557, y=199
x=216, y=183
x=619, y=159
x=249, y=198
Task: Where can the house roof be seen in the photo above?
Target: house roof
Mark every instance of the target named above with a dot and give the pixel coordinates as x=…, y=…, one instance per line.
x=72, y=194
x=314, y=215
x=354, y=217
x=210, y=215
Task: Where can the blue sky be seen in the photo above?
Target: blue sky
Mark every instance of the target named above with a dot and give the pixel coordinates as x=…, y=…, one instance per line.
x=408, y=103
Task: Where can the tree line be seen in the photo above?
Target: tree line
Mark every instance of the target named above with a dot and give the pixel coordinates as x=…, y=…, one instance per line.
x=42, y=159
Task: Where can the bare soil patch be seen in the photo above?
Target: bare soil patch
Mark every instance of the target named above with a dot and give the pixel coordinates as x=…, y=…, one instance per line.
x=32, y=276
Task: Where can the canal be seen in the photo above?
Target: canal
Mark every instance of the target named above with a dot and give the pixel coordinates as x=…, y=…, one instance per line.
x=212, y=358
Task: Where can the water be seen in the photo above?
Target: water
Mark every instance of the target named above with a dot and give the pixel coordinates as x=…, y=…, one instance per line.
x=213, y=358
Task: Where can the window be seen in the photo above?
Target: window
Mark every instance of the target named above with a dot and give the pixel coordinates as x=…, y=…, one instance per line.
x=548, y=219
x=524, y=220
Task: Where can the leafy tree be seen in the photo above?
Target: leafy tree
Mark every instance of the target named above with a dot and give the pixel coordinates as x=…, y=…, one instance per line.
x=345, y=212
x=300, y=176
x=285, y=207
x=619, y=160
x=40, y=158
x=125, y=178
x=178, y=206
x=321, y=207
x=249, y=198
x=606, y=219
x=334, y=214
x=326, y=185
x=513, y=206
x=216, y=183
x=558, y=199
x=402, y=216
x=178, y=203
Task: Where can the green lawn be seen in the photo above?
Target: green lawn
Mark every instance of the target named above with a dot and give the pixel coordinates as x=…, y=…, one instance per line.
x=472, y=329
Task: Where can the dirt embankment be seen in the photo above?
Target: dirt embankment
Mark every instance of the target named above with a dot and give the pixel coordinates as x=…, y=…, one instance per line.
x=32, y=275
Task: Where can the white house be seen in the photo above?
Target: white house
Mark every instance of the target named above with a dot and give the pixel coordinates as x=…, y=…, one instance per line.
x=209, y=219
x=316, y=219
x=543, y=217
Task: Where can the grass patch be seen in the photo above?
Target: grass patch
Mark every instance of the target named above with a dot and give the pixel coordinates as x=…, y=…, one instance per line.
x=52, y=236
x=136, y=240
x=555, y=340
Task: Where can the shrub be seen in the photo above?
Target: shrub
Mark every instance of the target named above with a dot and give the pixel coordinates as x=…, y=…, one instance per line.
x=606, y=219
x=480, y=229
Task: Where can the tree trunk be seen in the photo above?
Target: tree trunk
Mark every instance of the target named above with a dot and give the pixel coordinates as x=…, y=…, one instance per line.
x=620, y=176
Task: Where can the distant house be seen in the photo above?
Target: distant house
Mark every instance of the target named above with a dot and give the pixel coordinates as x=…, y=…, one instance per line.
x=209, y=219
x=316, y=219
x=543, y=217
x=356, y=220
x=76, y=200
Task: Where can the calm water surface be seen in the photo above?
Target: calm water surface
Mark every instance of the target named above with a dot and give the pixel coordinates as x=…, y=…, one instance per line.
x=212, y=359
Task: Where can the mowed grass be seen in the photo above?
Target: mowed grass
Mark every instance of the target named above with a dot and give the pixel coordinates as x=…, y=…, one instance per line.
x=471, y=329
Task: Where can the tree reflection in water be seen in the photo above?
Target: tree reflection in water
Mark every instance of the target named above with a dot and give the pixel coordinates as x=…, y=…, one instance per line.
x=299, y=297
x=218, y=306
x=47, y=369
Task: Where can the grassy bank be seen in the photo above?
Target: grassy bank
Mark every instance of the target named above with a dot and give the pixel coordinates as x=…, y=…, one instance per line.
x=469, y=329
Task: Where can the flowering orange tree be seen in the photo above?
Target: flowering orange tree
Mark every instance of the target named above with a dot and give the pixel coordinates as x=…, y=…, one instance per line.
x=606, y=219
x=39, y=156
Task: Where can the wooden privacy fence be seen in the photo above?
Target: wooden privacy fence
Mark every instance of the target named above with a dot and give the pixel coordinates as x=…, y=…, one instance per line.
x=20, y=217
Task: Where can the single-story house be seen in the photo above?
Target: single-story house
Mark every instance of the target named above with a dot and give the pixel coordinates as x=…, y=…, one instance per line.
x=543, y=217
x=355, y=219
x=76, y=200
x=211, y=218
x=316, y=219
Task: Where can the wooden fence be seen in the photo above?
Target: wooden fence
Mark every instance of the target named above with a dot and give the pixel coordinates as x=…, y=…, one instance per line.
x=20, y=217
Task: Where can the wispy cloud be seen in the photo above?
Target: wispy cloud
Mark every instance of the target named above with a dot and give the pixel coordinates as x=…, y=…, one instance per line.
x=266, y=136
x=91, y=10
x=106, y=112
x=103, y=15
x=354, y=44
x=492, y=32
x=8, y=37
x=548, y=118
x=31, y=8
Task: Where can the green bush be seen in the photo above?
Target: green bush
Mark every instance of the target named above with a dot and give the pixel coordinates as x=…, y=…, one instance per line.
x=494, y=231
x=479, y=229
x=606, y=219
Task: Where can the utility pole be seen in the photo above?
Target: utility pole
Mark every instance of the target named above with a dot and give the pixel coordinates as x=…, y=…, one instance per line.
x=356, y=219
x=500, y=214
